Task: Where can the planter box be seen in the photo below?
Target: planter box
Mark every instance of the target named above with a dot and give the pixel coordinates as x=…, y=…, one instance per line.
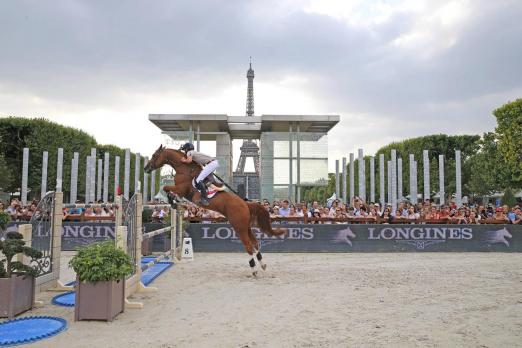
x=16, y=295
x=99, y=301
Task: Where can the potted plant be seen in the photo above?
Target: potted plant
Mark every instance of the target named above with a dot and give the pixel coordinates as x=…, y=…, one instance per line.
x=100, y=269
x=17, y=280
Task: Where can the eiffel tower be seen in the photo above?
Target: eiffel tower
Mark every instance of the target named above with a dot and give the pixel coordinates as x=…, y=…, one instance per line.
x=247, y=183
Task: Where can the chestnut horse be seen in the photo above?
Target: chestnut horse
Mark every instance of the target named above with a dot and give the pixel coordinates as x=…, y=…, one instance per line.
x=241, y=215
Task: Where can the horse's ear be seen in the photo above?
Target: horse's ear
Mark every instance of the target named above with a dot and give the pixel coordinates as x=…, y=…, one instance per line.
x=160, y=148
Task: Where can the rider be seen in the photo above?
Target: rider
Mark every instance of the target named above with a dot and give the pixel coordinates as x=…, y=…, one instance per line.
x=209, y=164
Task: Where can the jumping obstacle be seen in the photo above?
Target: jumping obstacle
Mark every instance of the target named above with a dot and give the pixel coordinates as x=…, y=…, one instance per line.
x=130, y=235
x=44, y=233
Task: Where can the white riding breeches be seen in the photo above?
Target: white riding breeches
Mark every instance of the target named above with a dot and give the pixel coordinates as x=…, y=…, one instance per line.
x=207, y=170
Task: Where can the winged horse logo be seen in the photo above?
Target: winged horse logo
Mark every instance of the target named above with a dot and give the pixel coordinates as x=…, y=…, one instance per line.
x=344, y=236
x=497, y=237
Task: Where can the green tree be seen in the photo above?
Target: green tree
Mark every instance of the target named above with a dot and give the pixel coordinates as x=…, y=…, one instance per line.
x=6, y=177
x=509, y=135
x=509, y=197
x=439, y=144
x=40, y=135
x=489, y=170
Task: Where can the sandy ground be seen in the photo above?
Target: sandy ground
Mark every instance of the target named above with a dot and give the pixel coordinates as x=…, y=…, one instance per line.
x=319, y=300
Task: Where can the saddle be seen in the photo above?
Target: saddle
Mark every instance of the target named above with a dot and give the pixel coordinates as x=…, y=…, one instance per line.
x=212, y=185
x=211, y=180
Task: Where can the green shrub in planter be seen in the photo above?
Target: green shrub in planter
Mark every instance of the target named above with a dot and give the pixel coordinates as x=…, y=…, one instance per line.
x=100, y=269
x=17, y=280
x=12, y=245
x=101, y=262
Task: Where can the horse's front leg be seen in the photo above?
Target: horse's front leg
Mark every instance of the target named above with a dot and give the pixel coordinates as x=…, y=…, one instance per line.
x=173, y=195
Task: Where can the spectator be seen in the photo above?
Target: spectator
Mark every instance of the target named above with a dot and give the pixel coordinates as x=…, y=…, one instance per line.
x=314, y=208
x=316, y=216
x=285, y=209
x=511, y=215
x=473, y=219
x=500, y=216
x=292, y=212
x=267, y=207
x=299, y=209
x=386, y=215
x=89, y=212
x=76, y=211
x=411, y=214
x=518, y=215
x=13, y=208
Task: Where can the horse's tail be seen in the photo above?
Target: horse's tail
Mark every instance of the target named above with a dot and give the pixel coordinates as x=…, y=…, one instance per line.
x=260, y=217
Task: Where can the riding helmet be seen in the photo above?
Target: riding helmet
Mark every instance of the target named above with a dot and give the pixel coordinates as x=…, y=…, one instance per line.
x=187, y=147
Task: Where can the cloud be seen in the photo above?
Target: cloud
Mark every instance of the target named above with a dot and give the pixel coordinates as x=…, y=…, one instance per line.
x=392, y=69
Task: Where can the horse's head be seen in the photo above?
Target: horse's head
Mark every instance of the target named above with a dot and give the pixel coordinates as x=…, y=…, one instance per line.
x=163, y=156
x=506, y=233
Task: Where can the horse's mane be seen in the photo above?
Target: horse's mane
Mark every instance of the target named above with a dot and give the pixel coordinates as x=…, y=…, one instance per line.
x=182, y=154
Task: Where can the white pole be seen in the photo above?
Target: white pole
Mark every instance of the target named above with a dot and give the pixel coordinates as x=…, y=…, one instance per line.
x=389, y=183
x=344, y=180
x=382, y=190
x=74, y=177
x=116, y=176
x=88, y=172
x=426, y=168
x=137, y=173
x=100, y=179
x=45, y=161
x=394, y=180
x=399, y=180
x=59, y=171
x=126, y=181
x=92, y=197
x=352, y=178
x=372, y=179
x=458, y=173
x=337, y=186
x=106, y=164
x=442, y=192
x=152, y=185
x=145, y=181
x=25, y=175
x=362, y=178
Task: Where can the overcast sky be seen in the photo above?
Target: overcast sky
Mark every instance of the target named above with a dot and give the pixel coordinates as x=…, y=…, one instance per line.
x=391, y=69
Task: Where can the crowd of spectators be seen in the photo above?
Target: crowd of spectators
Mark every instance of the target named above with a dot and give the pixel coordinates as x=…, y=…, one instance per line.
x=359, y=211
x=283, y=211
x=17, y=211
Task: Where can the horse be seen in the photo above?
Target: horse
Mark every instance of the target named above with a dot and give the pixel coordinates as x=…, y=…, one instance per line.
x=242, y=215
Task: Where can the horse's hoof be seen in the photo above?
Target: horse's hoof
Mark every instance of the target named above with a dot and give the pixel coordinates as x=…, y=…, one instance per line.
x=254, y=274
x=263, y=267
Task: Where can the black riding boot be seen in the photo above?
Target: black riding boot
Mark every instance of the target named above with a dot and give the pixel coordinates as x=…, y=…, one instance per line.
x=203, y=191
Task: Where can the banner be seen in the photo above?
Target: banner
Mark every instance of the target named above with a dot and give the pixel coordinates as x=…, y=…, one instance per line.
x=321, y=238
x=365, y=238
x=76, y=234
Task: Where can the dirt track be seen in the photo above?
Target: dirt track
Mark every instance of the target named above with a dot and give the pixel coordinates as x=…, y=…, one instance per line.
x=320, y=300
